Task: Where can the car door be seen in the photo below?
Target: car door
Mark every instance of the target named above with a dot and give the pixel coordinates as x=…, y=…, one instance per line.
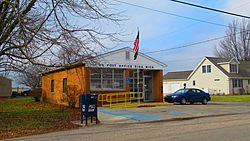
x=191, y=95
x=199, y=95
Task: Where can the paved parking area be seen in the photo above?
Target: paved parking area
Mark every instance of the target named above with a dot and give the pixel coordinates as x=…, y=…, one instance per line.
x=221, y=121
x=149, y=114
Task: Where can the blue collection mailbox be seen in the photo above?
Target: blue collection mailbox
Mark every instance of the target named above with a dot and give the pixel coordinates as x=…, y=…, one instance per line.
x=88, y=107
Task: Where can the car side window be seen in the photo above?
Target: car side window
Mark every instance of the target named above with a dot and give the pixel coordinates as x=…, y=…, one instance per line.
x=198, y=91
x=191, y=92
x=195, y=91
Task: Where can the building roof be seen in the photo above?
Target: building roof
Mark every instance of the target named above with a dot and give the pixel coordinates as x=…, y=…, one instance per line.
x=66, y=67
x=180, y=75
x=101, y=56
x=4, y=78
x=139, y=53
x=243, y=67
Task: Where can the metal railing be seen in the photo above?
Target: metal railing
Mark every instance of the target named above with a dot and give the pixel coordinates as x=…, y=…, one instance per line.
x=120, y=99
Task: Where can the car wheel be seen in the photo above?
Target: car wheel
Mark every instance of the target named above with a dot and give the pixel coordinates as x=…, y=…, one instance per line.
x=183, y=101
x=204, y=101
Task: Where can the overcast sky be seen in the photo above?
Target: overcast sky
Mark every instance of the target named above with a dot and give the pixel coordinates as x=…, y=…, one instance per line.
x=161, y=31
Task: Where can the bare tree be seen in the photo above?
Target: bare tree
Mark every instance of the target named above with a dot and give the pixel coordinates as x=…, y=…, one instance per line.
x=34, y=31
x=237, y=42
x=31, y=76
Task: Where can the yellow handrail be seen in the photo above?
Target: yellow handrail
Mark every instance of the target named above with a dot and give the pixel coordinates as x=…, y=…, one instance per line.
x=120, y=99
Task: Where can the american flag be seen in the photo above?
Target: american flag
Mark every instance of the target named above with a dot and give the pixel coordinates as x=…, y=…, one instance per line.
x=136, y=45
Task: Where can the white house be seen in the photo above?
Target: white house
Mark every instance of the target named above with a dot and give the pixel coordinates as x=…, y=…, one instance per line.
x=213, y=75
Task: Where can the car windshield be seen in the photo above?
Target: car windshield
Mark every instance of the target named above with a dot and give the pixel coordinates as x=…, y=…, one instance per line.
x=181, y=91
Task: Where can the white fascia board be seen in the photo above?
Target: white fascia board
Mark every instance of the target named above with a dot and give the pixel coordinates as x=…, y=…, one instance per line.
x=196, y=68
x=131, y=50
x=235, y=60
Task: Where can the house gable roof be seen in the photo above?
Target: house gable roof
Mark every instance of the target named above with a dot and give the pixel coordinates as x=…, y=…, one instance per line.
x=243, y=68
x=180, y=75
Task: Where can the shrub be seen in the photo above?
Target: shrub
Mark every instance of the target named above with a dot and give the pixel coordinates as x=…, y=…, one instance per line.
x=71, y=96
x=36, y=93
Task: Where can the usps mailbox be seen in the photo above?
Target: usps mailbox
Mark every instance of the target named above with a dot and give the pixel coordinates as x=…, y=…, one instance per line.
x=88, y=107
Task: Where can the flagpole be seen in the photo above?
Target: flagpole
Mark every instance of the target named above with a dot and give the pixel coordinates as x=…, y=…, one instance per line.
x=138, y=81
x=138, y=72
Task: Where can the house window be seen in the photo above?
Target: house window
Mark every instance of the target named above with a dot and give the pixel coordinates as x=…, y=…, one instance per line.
x=64, y=85
x=206, y=69
x=237, y=83
x=233, y=68
x=127, y=55
x=52, y=86
x=248, y=81
x=216, y=80
x=193, y=83
x=106, y=79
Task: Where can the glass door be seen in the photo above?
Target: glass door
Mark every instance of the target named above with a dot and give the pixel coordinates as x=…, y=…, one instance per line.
x=148, y=86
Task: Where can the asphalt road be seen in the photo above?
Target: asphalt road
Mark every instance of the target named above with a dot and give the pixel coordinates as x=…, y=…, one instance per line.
x=213, y=122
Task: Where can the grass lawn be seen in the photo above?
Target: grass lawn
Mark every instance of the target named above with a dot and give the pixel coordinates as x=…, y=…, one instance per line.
x=24, y=116
x=231, y=98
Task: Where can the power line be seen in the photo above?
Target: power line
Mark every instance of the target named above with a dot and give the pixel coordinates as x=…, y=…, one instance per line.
x=183, y=46
x=188, y=45
x=190, y=25
x=172, y=14
x=212, y=9
x=187, y=59
x=192, y=44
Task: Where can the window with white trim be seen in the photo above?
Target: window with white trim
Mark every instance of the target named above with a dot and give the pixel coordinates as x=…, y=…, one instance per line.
x=206, y=69
x=237, y=83
x=233, y=68
x=127, y=55
x=106, y=79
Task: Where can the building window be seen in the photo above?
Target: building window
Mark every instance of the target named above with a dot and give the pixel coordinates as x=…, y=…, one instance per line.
x=52, y=86
x=95, y=77
x=127, y=55
x=237, y=83
x=216, y=80
x=106, y=79
x=118, y=79
x=193, y=83
x=206, y=69
x=64, y=85
x=248, y=81
x=233, y=68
